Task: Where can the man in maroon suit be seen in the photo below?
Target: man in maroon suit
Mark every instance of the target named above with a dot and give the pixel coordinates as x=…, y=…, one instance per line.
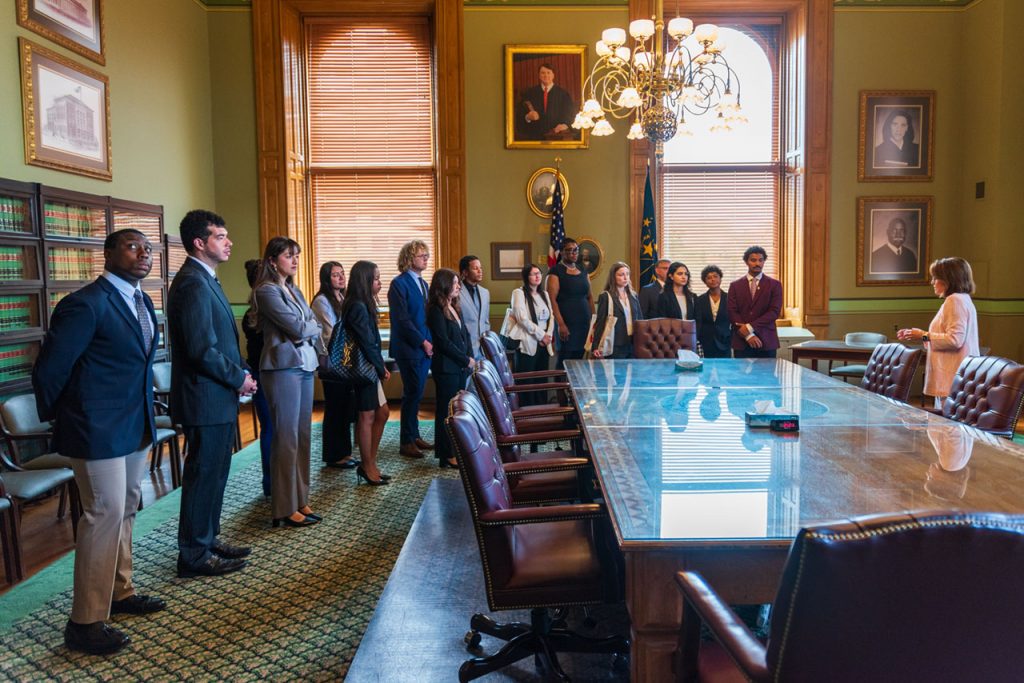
x=755, y=302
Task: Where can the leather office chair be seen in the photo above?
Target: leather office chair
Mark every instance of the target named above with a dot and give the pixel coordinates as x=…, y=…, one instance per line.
x=856, y=370
x=890, y=371
x=663, y=337
x=855, y=604
x=540, y=418
x=494, y=351
x=10, y=540
x=534, y=558
x=167, y=431
x=987, y=393
x=492, y=405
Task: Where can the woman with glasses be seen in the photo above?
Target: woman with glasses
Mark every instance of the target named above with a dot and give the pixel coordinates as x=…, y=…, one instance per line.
x=568, y=288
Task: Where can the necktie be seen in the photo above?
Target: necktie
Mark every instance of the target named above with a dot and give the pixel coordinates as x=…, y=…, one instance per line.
x=545, y=101
x=753, y=287
x=899, y=252
x=423, y=288
x=144, y=322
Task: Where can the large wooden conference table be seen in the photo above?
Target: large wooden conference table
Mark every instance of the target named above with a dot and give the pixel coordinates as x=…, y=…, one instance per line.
x=690, y=486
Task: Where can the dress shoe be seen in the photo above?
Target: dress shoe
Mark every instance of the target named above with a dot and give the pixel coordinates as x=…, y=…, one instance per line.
x=349, y=464
x=137, y=604
x=213, y=566
x=228, y=551
x=288, y=521
x=409, y=450
x=95, y=639
x=447, y=464
x=423, y=445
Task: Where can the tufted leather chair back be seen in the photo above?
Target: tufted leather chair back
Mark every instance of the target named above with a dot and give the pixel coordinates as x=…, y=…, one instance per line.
x=854, y=604
x=483, y=478
x=494, y=351
x=890, y=371
x=662, y=337
x=987, y=393
x=495, y=401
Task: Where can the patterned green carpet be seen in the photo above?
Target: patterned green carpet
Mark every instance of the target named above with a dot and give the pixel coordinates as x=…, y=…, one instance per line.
x=297, y=612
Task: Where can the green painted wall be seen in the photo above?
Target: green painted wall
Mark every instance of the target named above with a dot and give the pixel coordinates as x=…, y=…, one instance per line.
x=158, y=62
x=598, y=177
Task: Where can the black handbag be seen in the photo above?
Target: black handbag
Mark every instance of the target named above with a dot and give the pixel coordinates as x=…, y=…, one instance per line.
x=346, y=361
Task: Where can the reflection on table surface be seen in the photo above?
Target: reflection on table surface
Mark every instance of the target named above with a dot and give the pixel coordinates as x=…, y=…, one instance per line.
x=678, y=463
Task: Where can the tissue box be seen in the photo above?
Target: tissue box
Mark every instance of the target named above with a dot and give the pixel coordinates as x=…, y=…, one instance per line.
x=765, y=419
x=689, y=365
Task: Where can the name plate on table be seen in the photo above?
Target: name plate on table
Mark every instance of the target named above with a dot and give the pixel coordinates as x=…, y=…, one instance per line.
x=765, y=419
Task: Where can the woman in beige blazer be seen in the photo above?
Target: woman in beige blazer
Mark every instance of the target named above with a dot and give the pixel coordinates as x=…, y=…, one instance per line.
x=953, y=333
x=534, y=328
x=291, y=347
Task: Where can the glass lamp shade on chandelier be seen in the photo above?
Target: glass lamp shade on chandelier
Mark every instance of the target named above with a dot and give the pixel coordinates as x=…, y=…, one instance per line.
x=657, y=87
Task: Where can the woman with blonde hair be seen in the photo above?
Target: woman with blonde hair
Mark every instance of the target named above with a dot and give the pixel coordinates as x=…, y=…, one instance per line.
x=618, y=299
x=953, y=332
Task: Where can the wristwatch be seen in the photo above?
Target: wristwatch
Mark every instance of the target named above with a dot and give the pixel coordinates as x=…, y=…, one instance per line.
x=924, y=337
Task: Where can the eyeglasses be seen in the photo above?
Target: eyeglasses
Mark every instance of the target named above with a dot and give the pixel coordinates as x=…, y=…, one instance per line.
x=572, y=250
x=422, y=256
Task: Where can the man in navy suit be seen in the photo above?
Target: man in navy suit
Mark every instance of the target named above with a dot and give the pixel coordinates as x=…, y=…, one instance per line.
x=754, y=304
x=410, y=343
x=94, y=378
x=649, y=293
x=207, y=377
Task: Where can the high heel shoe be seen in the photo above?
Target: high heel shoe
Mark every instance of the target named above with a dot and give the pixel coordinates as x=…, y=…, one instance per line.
x=385, y=477
x=447, y=464
x=288, y=521
x=361, y=474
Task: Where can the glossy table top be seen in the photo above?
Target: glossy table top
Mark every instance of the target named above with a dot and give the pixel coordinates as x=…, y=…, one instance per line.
x=678, y=465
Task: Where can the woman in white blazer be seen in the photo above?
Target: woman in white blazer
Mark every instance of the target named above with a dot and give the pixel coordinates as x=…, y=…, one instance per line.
x=953, y=333
x=534, y=327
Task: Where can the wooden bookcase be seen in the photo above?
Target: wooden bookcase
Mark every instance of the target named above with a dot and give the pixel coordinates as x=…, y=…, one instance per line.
x=51, y=244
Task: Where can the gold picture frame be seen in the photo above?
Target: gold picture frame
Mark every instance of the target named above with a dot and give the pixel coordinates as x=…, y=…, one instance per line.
x=66, y=113
x=591, y=256
x=77, y=25
x=540, y=190
x=893, y=240
x=910, y=116
x=533, y=120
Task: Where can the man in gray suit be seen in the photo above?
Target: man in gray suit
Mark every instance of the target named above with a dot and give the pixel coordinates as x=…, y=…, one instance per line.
x=207, y=378
x=475, y=301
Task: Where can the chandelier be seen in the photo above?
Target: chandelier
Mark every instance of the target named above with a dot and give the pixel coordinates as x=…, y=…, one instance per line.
x=657, y=87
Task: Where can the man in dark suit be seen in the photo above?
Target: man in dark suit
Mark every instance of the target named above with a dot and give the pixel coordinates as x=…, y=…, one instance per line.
x=754, y=304
x=546, y=111
x=94, y=378
x=207, y=377
x=893, y=256
x=410, y=343
x=649, y=293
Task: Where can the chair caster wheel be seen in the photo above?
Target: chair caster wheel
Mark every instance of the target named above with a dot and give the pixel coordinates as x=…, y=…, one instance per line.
x=472, y=640
x=620, y=663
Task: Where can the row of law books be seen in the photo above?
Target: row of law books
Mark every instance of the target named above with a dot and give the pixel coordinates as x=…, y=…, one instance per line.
x=17, y=313
x=66, y=220
x=68, y=263
x=16, y=361
x=14, y=215
x=12, y=266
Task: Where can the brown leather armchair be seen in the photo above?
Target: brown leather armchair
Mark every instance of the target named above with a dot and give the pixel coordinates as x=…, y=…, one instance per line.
x=533, y=558
x=663, y=337
x=540, y=418
x=920, y=596
x=494, y=351
x=890, y=371
x=987, y=393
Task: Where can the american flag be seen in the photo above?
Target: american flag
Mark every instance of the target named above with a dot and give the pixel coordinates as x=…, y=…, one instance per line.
x=557, y=226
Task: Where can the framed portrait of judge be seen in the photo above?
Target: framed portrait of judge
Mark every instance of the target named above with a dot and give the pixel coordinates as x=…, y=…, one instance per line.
x=893, y=240
x=896, y=135
x=543, y=93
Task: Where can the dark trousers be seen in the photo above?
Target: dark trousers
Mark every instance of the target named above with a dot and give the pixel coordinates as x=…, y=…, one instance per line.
x=202, y=489
x=525, y=363
x=565, y=354
x=414, y=381
x=624, y=351
x=339, y=414
x=446, y=385
x=755, y=353
x=259, y=401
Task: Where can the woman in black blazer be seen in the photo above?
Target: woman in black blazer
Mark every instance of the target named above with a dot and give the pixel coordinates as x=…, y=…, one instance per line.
x=453, y=356
x=712, y=316
x=359, y=315
x=625, y=307
x=677, y=294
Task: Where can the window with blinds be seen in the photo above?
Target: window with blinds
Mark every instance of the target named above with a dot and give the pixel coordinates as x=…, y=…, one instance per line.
x=721, y=191
x=371, y=141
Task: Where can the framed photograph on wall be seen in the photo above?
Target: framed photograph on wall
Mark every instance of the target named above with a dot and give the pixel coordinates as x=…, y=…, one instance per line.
x=66, y=113
x=74, y=24
x=540, y=191
x=896, y=135
x=543, y=89
x=508, y=259
x=893, y=240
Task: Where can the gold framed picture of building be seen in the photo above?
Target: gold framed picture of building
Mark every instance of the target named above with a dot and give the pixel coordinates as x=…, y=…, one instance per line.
x=66, y=112
x=543, y=89
x=74, y=24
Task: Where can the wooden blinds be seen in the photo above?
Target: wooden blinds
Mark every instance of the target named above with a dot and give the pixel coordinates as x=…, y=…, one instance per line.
x=371, y=143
